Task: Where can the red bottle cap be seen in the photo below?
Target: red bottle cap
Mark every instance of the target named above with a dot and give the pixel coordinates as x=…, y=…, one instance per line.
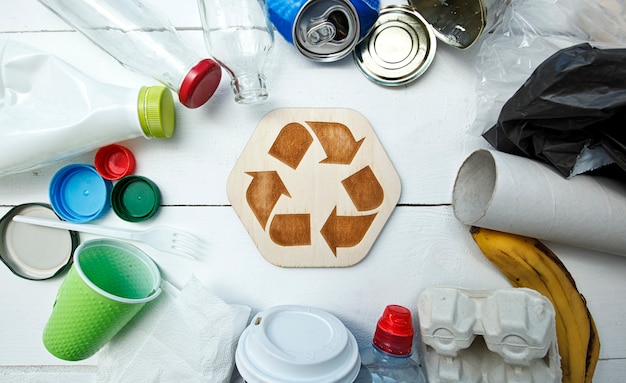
x=200, y=83
x=114, y=162
x=394, y=331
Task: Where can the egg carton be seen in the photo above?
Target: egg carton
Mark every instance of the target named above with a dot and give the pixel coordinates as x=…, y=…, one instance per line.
x=488, y=336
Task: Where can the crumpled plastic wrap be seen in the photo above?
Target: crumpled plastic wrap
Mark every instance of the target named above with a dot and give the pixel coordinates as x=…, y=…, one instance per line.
x=571, y=113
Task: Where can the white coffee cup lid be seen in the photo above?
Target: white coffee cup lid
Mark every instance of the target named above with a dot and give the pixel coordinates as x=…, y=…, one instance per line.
x=296, y=344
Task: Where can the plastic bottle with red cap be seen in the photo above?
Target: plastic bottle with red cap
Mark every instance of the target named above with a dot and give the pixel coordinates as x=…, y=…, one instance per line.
x=145, y=41
x=388, y=359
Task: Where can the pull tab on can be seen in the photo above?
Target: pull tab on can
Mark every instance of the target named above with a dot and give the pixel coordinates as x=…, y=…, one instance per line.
x=326, y=30
x=321, y=33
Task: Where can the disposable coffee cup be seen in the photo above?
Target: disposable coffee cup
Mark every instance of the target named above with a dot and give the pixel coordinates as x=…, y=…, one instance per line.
x=108, y=283
x=287, y=344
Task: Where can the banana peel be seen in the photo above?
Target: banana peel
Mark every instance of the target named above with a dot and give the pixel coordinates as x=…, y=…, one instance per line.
x=527, y=262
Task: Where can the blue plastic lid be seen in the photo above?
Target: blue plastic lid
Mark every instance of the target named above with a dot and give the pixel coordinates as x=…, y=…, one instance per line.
x=79, y=194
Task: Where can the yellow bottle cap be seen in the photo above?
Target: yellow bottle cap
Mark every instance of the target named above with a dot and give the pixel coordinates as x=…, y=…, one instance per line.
x=155, y=107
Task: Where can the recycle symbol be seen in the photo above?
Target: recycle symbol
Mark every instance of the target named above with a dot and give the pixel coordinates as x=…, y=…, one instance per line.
x=313, y=187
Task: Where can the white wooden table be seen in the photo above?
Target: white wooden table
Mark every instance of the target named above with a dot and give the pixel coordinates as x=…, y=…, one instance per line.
x=423, y=128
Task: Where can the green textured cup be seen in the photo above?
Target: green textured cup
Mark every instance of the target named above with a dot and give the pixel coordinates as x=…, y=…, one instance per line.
x=109, y=282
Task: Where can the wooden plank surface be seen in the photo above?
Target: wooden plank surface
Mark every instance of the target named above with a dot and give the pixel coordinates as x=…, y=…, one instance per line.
x=422, y=128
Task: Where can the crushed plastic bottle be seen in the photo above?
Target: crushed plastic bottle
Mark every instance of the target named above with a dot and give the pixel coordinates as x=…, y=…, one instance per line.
x=388, y=359
x=144, y=41
x=50, y=111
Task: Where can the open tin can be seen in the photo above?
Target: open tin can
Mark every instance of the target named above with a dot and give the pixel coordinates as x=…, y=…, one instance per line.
x=402, y=42
x=460, y=22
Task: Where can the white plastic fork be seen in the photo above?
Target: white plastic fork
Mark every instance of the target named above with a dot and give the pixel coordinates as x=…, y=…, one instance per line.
x=159, y=237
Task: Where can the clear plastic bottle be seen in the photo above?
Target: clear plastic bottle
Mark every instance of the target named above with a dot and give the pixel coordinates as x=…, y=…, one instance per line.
x=50, y=111
x=144, y=41
x=388, y=359
x=239, y=35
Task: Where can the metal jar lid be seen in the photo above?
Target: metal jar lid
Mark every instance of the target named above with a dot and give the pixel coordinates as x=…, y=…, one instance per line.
x=399, y=48
x=35, y=252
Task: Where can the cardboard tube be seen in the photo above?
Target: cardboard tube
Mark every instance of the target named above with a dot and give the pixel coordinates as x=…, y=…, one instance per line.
x=518, y=195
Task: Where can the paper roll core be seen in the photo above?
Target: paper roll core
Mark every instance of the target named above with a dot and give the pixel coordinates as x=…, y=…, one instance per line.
x=515, y=194
x=474, y=186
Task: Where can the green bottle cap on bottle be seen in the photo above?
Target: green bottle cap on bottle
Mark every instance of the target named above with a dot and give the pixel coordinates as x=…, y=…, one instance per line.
x=155, y=107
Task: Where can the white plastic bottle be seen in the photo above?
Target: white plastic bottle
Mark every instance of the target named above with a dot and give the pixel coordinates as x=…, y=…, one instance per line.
x=50, y=111
x=388, y=359
x=145, y=41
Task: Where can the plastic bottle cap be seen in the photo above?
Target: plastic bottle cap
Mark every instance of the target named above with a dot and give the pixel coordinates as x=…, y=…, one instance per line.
x=35, y=252
x=155, y=106
x=297, y=344
x=135, y=198
x=114, y=162
x=394, y=331
x=200, y=83
x=79, y=194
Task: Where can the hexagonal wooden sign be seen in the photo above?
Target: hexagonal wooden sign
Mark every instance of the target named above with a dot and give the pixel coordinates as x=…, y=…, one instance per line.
x=313, y=187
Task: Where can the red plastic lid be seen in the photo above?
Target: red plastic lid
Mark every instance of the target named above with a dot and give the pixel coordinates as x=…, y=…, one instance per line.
x=200, y=83
x=394, y=331
x=114, y=162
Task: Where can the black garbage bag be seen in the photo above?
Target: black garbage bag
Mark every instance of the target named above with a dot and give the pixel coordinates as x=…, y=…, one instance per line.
x=570, y=113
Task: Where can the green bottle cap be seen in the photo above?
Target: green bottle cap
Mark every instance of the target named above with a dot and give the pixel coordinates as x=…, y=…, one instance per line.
x=155, y=107
x=135, y=198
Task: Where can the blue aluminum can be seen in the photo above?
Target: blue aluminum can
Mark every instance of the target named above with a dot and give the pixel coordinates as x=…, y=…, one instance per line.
x=323, y=30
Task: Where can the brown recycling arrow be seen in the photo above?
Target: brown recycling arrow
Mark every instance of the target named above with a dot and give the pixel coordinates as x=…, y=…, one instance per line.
x=291, y=145
x=364, y=189
x=263, y=194
x=337, y=141
x=345, y=231
x=291, y=229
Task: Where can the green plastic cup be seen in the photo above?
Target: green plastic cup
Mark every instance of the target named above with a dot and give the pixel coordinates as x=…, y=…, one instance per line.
x=108, y=283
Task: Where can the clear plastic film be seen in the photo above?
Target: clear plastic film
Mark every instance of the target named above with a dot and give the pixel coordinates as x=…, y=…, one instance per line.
x=529, y=32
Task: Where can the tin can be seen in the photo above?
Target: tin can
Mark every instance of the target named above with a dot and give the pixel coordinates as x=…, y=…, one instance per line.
x=399, y=49
x=323, y=30
x=460, y=22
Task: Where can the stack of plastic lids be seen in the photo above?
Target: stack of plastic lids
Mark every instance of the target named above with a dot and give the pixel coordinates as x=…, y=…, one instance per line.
x=79, y=194
x=297, y=344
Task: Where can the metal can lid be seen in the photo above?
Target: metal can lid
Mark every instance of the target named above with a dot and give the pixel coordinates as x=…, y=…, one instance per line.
x=35, y=252
x=79, y=194
x=399, y=49
x=135, y=198
x=294, y=343
x=114, y=162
